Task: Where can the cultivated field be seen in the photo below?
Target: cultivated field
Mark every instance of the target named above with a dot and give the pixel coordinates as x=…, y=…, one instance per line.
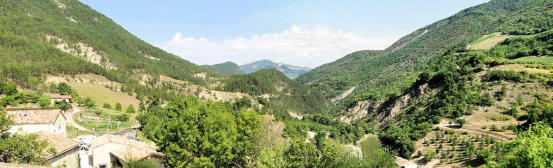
x=535, y=60
x=486, y=42
x=100, y=94
x=104, y=120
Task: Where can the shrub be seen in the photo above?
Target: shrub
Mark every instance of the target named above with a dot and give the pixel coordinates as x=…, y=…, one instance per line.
x=460, y=122
x=429, y=155
x=494, y=128
x=130, y=109
x=44, y=101
x=118, y=106
x=122, y=117
x=497, y=75
x=107, y=106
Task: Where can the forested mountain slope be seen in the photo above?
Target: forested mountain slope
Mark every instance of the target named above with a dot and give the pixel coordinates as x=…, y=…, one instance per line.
x=384, y=74
x=66, y=37
x=430, y=85
x=32, y=30
x=229, y=68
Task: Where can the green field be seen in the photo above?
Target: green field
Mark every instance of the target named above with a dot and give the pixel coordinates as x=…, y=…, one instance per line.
x=374, y=153
x=487, y=42
x=101, y=95
x=103, y=120
x=484, y=38
x=535, y=60
x=73, y=132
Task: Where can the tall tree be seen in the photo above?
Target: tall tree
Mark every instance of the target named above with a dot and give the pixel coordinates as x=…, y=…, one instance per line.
x=192, y=133
x=64, y=89
x=16, y=148
x=531, y=149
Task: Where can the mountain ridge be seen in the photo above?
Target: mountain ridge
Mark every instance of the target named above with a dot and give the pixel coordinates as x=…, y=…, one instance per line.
x=228, y=68
x=289, y=70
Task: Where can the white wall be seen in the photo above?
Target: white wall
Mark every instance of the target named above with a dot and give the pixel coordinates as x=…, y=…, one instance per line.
x=31, y=128
x=58, y=128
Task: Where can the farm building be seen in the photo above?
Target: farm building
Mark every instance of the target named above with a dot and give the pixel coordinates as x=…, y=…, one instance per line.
x=110, y=150
x=33, y=121
x=58, y=97
x=67, y=150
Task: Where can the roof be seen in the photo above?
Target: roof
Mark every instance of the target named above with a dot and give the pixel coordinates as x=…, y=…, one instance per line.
x=35, y=116
x=135, y=149
x=61, y=144
x=58, y=96
x=13, y=165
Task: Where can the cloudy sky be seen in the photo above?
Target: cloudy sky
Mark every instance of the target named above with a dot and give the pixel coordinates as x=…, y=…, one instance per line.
x=299, y=32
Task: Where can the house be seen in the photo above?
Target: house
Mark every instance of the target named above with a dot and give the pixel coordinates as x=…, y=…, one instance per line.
x=67, y=150
x=33, y=121
x=58, y=97
x=110, y=150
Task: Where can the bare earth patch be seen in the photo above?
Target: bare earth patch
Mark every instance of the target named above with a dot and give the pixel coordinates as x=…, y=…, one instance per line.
x=81, y=50
x=60, y=5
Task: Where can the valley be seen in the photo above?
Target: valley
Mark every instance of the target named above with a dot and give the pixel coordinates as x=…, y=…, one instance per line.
x=470, y=90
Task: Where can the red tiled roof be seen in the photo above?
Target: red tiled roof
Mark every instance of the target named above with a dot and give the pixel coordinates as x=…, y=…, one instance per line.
x=58, y=96
x=35, y=116
x=61, y=144
x=135, y=149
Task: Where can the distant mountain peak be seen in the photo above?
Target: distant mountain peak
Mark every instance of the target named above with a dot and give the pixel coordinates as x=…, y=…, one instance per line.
x=291, y=71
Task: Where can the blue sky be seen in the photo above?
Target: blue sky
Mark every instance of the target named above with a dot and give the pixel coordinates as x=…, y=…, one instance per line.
x=292, y=31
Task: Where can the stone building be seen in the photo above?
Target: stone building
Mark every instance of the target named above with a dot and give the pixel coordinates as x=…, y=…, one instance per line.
x=110, y=150
x=33, y=121
x=67, y=150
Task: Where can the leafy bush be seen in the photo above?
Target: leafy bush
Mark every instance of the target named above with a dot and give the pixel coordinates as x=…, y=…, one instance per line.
x=118, y=106
x=513, y=76
x=122, y=117
x=130, y=109
x=429, y=155
x=106, y=106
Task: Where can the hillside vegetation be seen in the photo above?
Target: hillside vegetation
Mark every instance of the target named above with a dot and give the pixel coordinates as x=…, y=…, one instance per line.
x=67, y=38
x=430, y=75
x=229, y=68
x=44, y=37
x=428, y=96
x=391, y=72
x=465, y=84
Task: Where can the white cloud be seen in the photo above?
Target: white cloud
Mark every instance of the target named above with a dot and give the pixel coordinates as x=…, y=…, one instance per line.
x=296, y=46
